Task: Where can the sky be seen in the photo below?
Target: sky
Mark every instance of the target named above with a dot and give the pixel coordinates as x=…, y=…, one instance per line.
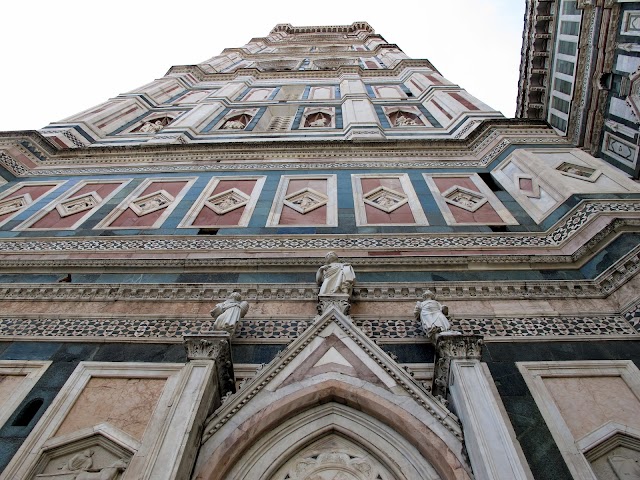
x=61, y=57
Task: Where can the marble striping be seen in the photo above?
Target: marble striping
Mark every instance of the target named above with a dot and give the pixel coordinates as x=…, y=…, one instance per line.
x=288, y=329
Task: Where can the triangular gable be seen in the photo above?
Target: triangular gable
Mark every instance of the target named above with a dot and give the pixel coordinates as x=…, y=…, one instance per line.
x=332, y=344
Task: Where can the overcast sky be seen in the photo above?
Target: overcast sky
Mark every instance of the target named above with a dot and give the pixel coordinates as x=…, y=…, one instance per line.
x=61, y=57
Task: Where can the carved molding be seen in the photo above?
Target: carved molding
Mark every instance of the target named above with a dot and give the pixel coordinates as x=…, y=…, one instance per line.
x=606, y=283
x=283, y=330
x=452, y=346
x=214, y=346
x=476, y=150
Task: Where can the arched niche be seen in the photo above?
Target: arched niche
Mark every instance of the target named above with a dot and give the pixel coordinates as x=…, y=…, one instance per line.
x=403, y=436
x=328, y=440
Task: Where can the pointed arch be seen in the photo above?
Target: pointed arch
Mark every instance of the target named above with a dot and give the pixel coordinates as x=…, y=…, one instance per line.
x=418, y=439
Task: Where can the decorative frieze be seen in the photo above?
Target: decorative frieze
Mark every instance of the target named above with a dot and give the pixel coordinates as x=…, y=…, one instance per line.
x=284, y=330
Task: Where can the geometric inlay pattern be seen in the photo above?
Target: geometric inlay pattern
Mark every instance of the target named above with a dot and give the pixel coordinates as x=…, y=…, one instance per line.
x=152, y=202
x=286, y=330
x=385, y=199
x=579, y=171
x=14, y=204
x=464, y=198
x=305, y=200
x=227, y=201
x=78, y=204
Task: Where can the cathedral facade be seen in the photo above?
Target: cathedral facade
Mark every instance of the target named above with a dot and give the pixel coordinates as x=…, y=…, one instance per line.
x=314, y=258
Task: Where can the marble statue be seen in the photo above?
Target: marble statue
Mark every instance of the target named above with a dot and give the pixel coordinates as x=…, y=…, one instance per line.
x=335, y=277
x=234, y=125
x=401, y=121
x=319, y=122
x=154, y=127
x=229, y=312
x=432, y=314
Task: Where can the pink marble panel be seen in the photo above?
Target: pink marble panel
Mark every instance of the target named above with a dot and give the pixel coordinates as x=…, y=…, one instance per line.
x=53, y=219
x=207, y=217
x=484, y=215
x=125, y=403
x=128, y=218
x=35, y=191
x=586, y=403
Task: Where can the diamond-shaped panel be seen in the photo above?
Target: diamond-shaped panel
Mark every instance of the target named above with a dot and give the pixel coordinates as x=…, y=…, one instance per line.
x=152, y=202
x=464, y=198
x=14, y=204
x=78, y=204
x=227, y=201
x=527, y=185
x=305, y=200
x=385, y=199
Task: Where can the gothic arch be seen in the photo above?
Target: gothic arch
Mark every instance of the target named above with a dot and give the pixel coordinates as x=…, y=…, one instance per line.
x=387, y=452
x=249, y=436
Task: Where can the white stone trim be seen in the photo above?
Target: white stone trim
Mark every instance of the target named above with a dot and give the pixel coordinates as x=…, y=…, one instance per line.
x=135, y=196
x=608, y=137
x=31, y=371
x=26, y=225
x=278, y=202
x=443, y=204
x=194, y=211
x=534, y=373
x=25, y=461
x=359, y=200
x=489, y=440
x=3, y=196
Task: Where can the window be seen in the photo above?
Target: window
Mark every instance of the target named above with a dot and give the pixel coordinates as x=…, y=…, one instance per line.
x=563, y=66
x=559, y=104
x=562, y=86
x=570, y=28
x=568, y=48
x=558, y=122
x=570, y=8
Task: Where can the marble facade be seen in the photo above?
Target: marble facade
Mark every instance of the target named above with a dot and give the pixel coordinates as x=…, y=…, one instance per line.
x=226, y=185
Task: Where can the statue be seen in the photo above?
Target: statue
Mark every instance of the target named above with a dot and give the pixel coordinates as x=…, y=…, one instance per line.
x=319, y=122
x=335, y=277
x=148, y=127
x=402, y=121
x=432, y=315
x=229, y=312
x=234, y=125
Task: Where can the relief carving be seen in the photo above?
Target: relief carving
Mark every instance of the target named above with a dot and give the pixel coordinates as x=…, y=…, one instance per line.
x=464, y=198
x=152, y=202
x=305, y=200
x=14, y=204
x=78, y=204
x=385, y=199
x=96, y=458
x=227, y=201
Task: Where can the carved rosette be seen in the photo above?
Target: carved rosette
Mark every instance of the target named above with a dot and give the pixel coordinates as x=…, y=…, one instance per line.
x=452, y=346
x=216, y=347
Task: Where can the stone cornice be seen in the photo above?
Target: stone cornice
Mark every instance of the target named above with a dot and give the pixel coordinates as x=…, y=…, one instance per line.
x=605, y=284
x=466, y=152
x=197, y=72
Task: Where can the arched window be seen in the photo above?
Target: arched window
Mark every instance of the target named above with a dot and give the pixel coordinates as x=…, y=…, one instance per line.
x=28, y=412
